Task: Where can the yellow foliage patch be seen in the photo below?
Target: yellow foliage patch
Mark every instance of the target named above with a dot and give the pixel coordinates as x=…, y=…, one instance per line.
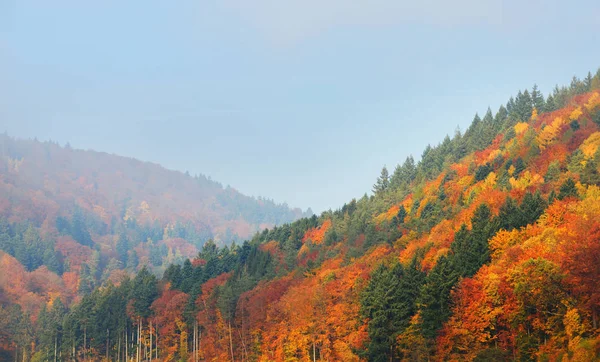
x=490, y=180
x=493, y=155
x=590, y=145
x=521, y=127
x=550, y=132
x=593, y=102
x=526, y=180
x=534, y=114
x=576, y=114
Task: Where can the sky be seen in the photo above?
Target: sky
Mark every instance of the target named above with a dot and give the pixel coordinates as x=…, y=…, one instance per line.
x=300, y=101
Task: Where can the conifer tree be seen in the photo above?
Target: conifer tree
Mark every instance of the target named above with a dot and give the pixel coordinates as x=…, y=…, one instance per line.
x=537, y=98
x=382, y=182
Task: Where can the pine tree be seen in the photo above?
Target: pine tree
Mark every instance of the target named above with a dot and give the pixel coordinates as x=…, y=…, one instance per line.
x=550, y=104
x=532, y=207
x=144, y=291
x=434, y=300
x=537, y=98
x=588, y=82
x=382, y=182
x=389, y=301
x=122, y=247
x=568, y=189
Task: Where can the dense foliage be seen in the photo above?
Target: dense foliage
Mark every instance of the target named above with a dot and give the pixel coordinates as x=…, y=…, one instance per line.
x=485, y=249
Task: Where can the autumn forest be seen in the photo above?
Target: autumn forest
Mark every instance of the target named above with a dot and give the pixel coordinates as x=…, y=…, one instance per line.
x=486, y=247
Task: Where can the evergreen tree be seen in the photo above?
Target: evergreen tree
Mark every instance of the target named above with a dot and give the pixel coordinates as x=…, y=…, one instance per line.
x=509, y=216
x=122, y=247
x=537, y=98
x=553, y=172
x=51, y=260
x=86, y=280
x=532, y=207
x=519, y=166
x=382, y=182
x=389, y=301
x=568, y=189
x=550, y=105
x=132, y=260
x=79, y=229
x=588, y=82
x=187, y=276
x=500, y=117
x=434, y=300
x=143, y=292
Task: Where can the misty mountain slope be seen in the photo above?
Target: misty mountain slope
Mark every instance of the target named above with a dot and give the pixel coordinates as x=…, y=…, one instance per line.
x=51, y=179
x=83, y=217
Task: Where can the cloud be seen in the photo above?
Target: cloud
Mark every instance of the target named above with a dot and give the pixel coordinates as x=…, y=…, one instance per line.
x=291, y=20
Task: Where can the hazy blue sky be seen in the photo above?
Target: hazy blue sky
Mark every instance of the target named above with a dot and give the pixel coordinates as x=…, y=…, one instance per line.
x=301, y=101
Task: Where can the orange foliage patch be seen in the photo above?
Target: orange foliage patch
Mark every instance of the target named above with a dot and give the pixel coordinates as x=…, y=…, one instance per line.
x=317, y=235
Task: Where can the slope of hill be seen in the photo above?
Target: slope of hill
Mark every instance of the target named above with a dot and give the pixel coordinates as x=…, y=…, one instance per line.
x=486, y=249
x=89, y=216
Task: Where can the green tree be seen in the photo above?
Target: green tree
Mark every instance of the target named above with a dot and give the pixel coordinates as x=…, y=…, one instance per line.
x=553, y=172
x=79, y=230
x=382, y=182
x=537, y=98
x=122, y=246
x=144, y=291
x=132, y=260
x=568, y=189
x=389, y=301
x=434, y=300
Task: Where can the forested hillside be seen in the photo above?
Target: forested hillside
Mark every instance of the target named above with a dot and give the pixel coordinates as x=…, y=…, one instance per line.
x=486, y=249
x=72, y=219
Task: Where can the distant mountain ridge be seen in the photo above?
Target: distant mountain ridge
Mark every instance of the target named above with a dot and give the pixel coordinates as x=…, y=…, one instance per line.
x=112, y=186
x=93, y=213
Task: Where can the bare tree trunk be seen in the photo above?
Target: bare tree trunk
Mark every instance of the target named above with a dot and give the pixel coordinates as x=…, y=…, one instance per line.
x=55, y=342
x=314, y=351
x=194, y=343
x=107, y=339
x=84, y=342
x=126, y=341
x=137, y=344
x=231, y=343
x=139, y=347
x=245, y=355
x=151, y=333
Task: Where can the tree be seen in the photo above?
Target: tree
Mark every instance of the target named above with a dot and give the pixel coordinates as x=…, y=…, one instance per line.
x=144, y=292
x=122, y=247
x=568, y=189
x=532, y=207
x=389, y=302
x=553, y=172
x=434, y=300
x=537, y=98
x=79, y=229
x=382, y=182
x=590, y=174
x=550, y=104
x=132, y=260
